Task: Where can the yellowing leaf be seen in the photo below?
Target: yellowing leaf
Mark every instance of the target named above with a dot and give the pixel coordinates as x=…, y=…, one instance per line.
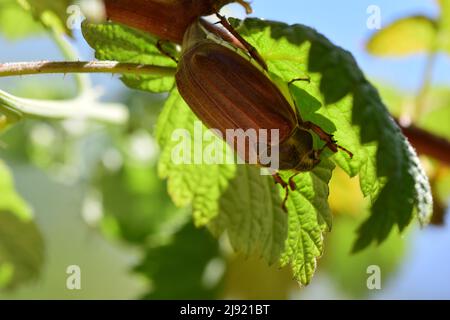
x=404, y=37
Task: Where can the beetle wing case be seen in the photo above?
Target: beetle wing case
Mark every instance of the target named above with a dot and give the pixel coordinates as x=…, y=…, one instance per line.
x=227, y=91
x=166, y=19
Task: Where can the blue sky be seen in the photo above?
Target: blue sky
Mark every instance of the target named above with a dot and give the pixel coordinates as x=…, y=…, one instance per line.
x=425, y=272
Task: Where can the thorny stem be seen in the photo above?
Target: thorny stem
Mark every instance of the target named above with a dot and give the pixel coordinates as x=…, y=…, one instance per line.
x=69, y=52
x=114, y=67
x=84, y=105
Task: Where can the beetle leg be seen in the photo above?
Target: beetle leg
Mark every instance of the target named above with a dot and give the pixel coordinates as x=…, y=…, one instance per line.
x=292, y=184
x=159, y=46
x=250, y=49
x=324, y=136
x=279, y=180
x=350, y=154
x=307, y=79
x=285, y=186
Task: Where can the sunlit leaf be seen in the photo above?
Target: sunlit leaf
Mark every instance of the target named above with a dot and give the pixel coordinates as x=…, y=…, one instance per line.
x=340, y=100
x=117, y=42
x=403, y=37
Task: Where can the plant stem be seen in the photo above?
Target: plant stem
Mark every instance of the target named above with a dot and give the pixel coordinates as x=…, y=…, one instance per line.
x=69, y=52
x=84, y=106
x=114, y=67
x=425, y=88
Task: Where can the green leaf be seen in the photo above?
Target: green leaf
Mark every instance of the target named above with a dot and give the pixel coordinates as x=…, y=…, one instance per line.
x=199, y=184
x=117, y=42
x=255, y=222
x=177, y=269
x=411, y=35
x=244, y=203
x=396, y=100
x=10, y=13
x=340, y=98
x=341, y=101
x=9, y=199
x=309, y=219
x=251, y=214
x=21, y=250
x=21, y=244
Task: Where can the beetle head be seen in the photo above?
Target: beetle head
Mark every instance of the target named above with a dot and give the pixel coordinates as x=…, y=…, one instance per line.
x=297, y=152
x=309, y=160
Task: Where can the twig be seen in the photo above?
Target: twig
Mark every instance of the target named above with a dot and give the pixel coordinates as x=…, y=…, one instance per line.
x=84, y=106
x=114, y=67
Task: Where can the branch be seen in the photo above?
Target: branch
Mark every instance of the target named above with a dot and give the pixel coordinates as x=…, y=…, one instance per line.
x=69, y=53
x=428, y=143
x=84, y=106
x=114, y=67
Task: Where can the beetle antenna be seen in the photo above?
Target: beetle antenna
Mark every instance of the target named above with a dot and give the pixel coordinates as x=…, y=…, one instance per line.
x=279, y=180
x=324, y=136
x=250, y=49
x=292, y=184
x=345, y=150
x=307, y=79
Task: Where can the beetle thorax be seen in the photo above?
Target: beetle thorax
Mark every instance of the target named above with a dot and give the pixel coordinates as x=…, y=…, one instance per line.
x=297, y=152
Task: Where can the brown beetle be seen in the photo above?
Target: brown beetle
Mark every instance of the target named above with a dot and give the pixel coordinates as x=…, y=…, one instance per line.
x=166, y=19
x=227, y=89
